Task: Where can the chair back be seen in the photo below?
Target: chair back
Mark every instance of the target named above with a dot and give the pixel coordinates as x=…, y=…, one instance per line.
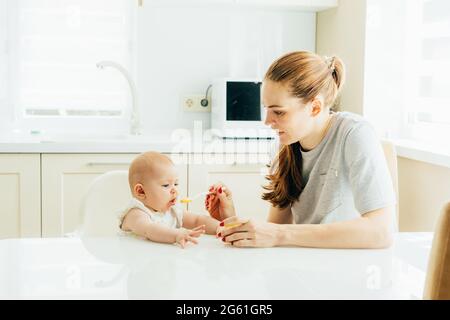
x=100, y=209
x=437, y=283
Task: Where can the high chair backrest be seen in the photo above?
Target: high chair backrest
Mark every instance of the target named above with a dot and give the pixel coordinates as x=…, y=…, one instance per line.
x=437, y=283
x=106, y=196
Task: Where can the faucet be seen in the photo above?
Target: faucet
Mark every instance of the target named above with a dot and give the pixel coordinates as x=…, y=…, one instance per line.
x=134, y=120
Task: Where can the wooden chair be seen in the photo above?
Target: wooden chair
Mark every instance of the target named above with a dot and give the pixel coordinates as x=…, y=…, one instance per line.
x=437, y=283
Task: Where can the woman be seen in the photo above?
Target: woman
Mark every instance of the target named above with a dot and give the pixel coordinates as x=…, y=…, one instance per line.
x=329, y=185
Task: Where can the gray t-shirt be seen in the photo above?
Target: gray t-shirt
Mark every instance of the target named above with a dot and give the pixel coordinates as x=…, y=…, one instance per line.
x=345, y=176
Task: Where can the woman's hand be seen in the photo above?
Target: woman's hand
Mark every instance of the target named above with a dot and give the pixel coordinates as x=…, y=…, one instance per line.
x=249, y=234
x=186, y=235
x=219, y=202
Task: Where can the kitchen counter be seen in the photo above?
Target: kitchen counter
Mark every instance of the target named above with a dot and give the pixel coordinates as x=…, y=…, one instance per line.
x=129, y=268
x=130, y=144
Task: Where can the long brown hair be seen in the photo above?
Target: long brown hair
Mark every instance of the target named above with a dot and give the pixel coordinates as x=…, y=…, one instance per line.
x=306, y=75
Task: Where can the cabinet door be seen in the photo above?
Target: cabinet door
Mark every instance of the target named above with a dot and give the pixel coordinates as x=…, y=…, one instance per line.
x=65, y=180
x=20, y=205
x=243, y=174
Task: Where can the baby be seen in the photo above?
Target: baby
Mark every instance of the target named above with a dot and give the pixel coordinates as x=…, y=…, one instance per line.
x=153, y=212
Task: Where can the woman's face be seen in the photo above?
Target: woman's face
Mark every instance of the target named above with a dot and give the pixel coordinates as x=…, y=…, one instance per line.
x=286, y=114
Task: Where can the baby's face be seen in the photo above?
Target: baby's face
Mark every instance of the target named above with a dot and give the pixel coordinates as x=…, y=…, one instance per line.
x=161, y=188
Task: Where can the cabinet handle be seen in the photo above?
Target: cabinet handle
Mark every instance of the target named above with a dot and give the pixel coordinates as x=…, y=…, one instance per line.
x=94, y=164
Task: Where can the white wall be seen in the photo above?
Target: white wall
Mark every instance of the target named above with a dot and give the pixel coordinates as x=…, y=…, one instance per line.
x=341, y=32
x=182, y=49
x=3, y=61
x=424, y=189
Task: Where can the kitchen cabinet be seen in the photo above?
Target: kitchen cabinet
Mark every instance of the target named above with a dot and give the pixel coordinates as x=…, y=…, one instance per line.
x=244, y=174
x=20, y=187
x=42, y=193
x=65, y=180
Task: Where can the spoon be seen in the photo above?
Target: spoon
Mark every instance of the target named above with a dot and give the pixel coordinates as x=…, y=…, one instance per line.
x=190, y=199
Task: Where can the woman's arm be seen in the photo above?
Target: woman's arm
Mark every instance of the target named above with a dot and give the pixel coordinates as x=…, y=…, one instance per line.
x=373, y=230
x=280, y=216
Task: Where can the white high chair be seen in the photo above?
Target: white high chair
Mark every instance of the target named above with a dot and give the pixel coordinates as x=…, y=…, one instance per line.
x=106, y=196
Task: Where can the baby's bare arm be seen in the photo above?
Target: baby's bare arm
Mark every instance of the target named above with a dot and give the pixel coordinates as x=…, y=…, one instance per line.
x=192, y=220
x=138, y=222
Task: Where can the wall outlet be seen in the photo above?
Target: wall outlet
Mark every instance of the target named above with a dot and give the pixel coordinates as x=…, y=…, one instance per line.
x=192, y=103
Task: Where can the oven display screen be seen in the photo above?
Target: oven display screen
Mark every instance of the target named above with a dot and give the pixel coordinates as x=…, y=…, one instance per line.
x=243, y=101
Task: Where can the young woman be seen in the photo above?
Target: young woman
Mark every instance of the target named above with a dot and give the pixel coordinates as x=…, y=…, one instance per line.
x=329, y=185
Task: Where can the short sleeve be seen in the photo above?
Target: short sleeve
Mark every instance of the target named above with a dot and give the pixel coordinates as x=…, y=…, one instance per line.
x=369, y=175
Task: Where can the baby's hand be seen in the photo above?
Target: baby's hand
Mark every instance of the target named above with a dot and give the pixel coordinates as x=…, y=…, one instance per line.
x=186, y=235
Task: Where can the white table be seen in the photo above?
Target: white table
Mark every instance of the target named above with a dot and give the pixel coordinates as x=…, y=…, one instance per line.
x=124, y=267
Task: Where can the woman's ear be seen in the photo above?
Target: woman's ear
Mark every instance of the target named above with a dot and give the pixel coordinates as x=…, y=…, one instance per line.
x=139, y=191
x=316, y=106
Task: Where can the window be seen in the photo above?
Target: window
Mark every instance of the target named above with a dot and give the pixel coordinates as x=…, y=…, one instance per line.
x=407, y=68
x=3, y=54
x=53, y=49
x=428, y=69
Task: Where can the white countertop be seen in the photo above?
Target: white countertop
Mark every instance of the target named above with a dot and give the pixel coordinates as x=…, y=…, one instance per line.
x=129, y=144
x=129, y=268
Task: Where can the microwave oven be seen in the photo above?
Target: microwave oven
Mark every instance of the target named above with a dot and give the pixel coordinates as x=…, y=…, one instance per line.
x=237, y=110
